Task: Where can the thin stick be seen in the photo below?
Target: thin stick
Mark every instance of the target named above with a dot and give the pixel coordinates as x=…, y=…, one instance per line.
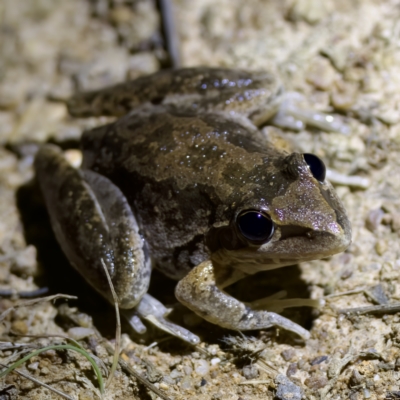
x=170, y=32
x=30, y=377
x=25, y=294
x=35, y=301
x=117, y=346
x=57, y=347
x=379, y=309
x=127, y=368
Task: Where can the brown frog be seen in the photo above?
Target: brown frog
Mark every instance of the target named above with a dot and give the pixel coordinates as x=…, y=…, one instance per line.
x=186, y=180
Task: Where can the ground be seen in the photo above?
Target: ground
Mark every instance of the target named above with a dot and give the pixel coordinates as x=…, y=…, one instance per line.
x=344, y=57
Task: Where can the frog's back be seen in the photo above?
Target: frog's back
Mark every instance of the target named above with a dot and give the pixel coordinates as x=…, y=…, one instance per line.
x=180, y=174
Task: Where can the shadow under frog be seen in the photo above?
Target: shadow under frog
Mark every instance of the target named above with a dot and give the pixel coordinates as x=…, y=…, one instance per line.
x=192, y=186
x=59, y=277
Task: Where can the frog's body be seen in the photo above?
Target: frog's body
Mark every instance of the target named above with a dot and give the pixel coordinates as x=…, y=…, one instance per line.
x=176, y=181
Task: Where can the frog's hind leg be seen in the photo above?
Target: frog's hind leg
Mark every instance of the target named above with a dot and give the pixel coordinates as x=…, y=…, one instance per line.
x=92, y=222
x=201, y=291
x=204, y=89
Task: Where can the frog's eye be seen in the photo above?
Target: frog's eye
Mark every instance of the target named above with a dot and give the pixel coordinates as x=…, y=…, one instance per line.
x=255, y=226
x=316, y=165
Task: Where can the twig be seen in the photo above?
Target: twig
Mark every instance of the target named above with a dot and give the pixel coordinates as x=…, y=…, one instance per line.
x=379, y=309
x=27, y=294
x=170, y=32
x=349, y=292
x=44, y=299
x=128, y=369
x=58, y=347
x=256, y=382
x=35, y=301
x=117, y=346
x=27, y=376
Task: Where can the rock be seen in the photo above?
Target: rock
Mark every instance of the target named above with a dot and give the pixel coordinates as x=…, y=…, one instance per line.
x=287, y=389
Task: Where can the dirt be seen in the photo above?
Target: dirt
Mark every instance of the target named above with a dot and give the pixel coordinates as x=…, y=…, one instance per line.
x=344, y=58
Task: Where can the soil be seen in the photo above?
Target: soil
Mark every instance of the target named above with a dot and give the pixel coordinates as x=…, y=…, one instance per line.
x=344, y=57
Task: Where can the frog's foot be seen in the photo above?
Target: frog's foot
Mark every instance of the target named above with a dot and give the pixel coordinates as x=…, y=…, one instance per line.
x=278, y=303
x=155, y=312
x=294, y=116
x=199, y=292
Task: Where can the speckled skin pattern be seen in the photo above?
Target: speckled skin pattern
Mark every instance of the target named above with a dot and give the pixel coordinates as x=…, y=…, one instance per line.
x=184, y=163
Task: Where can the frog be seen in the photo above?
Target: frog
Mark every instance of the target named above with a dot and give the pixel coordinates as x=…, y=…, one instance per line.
x=185, y=180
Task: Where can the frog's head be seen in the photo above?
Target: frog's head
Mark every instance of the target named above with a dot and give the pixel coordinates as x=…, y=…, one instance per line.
x=294, y=216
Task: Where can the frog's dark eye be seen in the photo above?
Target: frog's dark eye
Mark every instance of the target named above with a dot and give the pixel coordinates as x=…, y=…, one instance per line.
x=316, y=165
x=255, y=226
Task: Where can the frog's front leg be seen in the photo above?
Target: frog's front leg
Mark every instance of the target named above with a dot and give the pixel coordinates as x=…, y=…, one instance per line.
x=201, y=291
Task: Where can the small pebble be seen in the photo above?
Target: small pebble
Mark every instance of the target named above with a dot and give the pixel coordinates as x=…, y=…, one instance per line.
x=288, y=354
x=292, y=369
x=344, y=97
x=321, y=74
x=374, y=219
x=24, y=262
x=20, y=326
x=381, y=247
x=34, y=366
x=395, y=222
x=356, y=377
x=175, y=374
x=201, y=367
x=250, y=371
x=215, y=361
x=286, y=389
x=187, y=370
x=318, y=360
x=186, y=383
x=316, y=382
x=79, y=333
x=44, y=371
x=163, y=386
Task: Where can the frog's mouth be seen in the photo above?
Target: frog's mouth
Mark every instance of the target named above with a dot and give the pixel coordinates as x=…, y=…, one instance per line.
x=290, y=246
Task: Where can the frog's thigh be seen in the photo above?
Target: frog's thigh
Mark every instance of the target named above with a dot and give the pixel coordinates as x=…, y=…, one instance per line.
x=199, y=292
x=92, y=222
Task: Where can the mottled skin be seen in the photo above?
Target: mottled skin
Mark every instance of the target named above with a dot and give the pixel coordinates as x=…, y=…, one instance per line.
x=173, y=177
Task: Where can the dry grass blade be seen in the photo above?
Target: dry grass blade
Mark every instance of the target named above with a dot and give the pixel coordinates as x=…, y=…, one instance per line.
x=32, y=302
x=25, y=293
x=117, y=329
x=379, y=309
x=31, y=378
x=129, y=370
x=143, y=380
x=75, y=342
x=58, y=347
x=99, y=361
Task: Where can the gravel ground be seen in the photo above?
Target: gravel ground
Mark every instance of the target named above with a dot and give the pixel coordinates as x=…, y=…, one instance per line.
x=344, y=58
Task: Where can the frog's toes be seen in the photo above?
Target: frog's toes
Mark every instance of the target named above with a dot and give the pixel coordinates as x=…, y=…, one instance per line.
x=155, y=312
x=294, y=114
